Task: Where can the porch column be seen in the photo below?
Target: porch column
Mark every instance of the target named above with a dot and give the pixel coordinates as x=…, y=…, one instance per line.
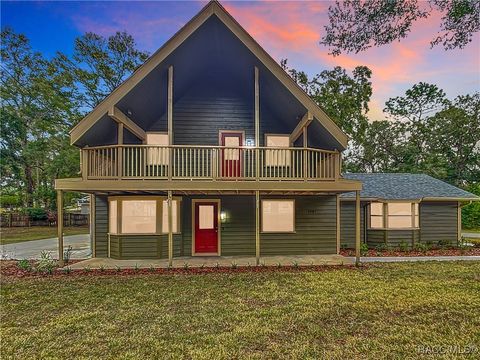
x=257, y=125
x=170, y=232
x=257, y=227
x=459, y=222
x=170, y=120
x=338, y=223
x=357, y=227
x=60, y=226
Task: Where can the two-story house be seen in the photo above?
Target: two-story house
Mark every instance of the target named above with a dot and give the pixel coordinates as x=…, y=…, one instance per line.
x=211, y=149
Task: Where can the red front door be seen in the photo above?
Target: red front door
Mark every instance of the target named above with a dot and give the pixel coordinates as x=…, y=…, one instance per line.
x=206, y=228
x=231, y=159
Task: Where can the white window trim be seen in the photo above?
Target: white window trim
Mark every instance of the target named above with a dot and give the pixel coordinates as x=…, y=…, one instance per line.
x=159, y=214
x=277, y=232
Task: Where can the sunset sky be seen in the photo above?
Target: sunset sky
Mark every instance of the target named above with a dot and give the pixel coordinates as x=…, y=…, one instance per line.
x=285, y=29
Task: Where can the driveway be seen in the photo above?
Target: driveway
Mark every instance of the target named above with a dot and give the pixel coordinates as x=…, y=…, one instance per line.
x=472, y=235
x=32, y=249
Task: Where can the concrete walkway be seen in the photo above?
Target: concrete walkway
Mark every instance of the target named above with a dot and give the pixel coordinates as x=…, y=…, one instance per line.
x=32, y=249
x=473, y=235
x=223, y=261
x=415, y=258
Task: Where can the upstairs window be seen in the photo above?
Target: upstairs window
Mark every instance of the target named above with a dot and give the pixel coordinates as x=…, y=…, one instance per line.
x=394, y=215
x=157, y=155
x=277, y=157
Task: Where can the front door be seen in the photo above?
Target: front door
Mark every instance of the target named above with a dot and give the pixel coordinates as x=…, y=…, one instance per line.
x=231, y=159
x=206, y=228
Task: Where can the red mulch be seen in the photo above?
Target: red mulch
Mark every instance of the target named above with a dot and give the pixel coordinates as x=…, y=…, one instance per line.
x=9, y=270
x=433, y=252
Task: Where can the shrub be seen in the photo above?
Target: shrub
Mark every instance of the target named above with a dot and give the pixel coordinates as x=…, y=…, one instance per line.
x=24, y=264
x=381, y=247
x=36, y=213
x=363, y=249
x=67, y=254
x=67, y=270
x=234, y=265
x=404, y=246
x=422, y=247
x=46, y=264
x=444, y=243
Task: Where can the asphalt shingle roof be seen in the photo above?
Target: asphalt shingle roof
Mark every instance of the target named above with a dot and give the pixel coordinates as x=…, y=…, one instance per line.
x=405, y=187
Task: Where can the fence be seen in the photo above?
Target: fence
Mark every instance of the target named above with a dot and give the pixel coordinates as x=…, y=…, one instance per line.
x=22, y=220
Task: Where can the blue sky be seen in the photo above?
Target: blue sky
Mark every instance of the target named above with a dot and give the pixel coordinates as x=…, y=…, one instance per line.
x=285, y=29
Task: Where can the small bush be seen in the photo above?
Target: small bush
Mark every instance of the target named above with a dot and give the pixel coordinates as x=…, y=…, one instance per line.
x=102, y=268
x=67, y=270
x=234, y=265
x=67, y=254
x=363, y=249
x=36, y=213
x=24, y=264
x=445, y=244
x=136, y=268
x=46, y=264
x=422, y=247
x=404, y=246
x=185, y=266
x=118, y=268
x=381, y=247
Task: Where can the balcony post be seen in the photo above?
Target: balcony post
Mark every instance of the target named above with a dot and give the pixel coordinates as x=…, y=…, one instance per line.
x=170, y=121
x=120, y=151
x=257, y=125
x=170, y=230
x=305, y=154
x=60, y=226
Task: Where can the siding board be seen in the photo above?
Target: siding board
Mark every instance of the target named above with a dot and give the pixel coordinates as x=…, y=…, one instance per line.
x=438, y=222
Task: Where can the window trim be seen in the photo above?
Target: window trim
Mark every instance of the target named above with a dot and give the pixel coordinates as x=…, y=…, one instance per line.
x=414, y=205
x=277, y=232
x=158, y=218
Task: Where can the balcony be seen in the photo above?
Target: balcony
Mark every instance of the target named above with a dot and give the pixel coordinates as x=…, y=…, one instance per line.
x=146, y=162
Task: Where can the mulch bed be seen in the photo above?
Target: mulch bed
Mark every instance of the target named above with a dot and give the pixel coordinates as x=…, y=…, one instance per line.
x=9, y=270
x=433, y=252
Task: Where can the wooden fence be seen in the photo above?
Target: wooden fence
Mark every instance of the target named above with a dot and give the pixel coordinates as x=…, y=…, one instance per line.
x=22, y=220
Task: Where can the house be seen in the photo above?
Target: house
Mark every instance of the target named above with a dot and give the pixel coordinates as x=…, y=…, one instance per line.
x=211, y=149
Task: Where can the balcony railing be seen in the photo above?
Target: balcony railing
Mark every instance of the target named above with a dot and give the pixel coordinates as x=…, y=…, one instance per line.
x=184, y=162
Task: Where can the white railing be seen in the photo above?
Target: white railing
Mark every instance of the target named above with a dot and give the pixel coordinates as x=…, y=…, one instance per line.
x=189, y=162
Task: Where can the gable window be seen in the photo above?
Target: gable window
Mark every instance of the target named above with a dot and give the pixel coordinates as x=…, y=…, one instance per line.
x=394, y=215
x=278, y=215
x=157, y=155
x=149, y=215
x=279, y=156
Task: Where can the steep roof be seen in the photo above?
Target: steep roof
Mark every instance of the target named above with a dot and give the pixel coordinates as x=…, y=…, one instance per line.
x=388, y=186
x=213, y=8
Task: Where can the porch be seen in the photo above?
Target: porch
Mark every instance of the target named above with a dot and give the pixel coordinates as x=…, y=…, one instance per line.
x=213, y=261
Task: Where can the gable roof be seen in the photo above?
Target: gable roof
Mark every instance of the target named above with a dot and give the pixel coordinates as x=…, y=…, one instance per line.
x=388, y=186
x=212, y=8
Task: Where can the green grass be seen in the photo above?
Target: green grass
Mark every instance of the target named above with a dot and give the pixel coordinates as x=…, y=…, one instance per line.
x=19, y=234
x=383, y=311
x=476, y=230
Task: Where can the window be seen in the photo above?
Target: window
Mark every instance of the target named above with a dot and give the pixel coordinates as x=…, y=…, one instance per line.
x=278, y=215
x=139, y=216
x=278, y=157
x=142, y=216
x=175, y=216
x=112, y=217
x=376, y=215
x=401, y=215
x=157, y=155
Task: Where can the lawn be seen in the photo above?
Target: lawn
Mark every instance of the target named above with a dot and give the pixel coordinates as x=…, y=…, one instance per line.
x=19, y=234
x=380, y=311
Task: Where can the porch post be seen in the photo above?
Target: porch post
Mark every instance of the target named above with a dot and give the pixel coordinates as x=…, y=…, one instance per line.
x=170, y=120
x=60, y=226
x=459, y=222
x=170, y=232
x=338, y=223
x=357, y=227
x=120, y=150
x=257, y=125
x=257, y=227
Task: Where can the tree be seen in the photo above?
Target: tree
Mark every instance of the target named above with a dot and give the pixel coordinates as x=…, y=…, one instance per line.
x=342, y=96
x=36, y=112
x=99, y=65
x=356, y=25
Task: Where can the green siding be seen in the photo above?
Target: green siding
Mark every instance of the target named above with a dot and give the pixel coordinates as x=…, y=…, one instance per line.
x=101, y=226
x=438, y=222
x=315, y=229
x=347, y=223
x=142, y=246
x=397, y=237
x=375, y=237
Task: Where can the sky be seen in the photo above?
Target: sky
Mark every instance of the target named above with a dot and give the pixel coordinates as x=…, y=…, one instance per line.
x=285, y=29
